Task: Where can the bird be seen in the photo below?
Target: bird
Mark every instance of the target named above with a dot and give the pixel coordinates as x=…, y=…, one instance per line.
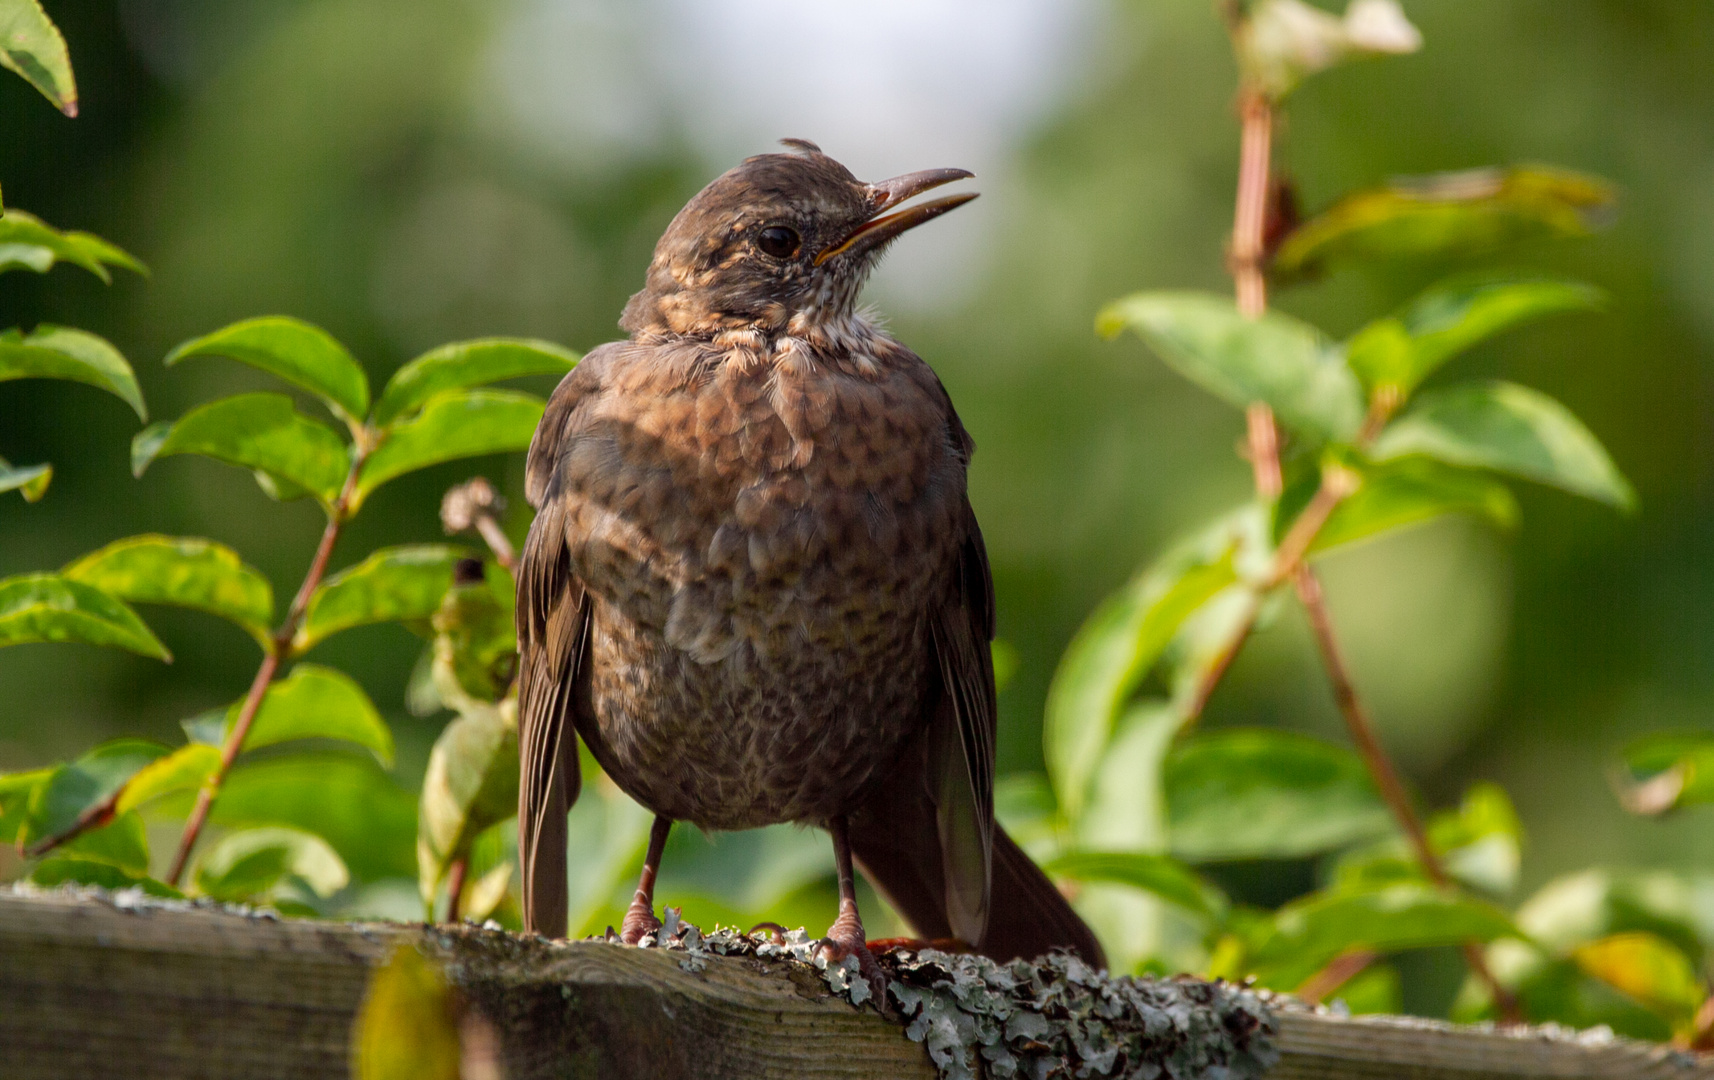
x=754, y=585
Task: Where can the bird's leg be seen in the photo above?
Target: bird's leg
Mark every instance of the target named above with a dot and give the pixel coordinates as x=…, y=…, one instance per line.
x=640, y=916
x=845, y=937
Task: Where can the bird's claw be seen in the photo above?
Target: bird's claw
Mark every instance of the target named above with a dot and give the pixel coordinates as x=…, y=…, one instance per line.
x=845, y=938
x=639, y=922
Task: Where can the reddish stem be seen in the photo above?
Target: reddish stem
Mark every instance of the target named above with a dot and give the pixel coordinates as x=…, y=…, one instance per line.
x=455, y=887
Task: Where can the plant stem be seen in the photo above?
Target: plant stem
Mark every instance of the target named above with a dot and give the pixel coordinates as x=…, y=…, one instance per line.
x=455, y=886
x=280, y=650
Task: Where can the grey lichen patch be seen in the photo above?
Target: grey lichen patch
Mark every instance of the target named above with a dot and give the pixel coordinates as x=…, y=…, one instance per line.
x=842, y=977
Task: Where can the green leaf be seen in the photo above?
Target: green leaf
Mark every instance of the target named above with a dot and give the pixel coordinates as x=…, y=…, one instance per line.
x=183, y=571
x=29, y=243
x=16, y=792
x=295, y=351
x=464, y=364
x=407, y=1028
x=476, y=643
x=79, y=786
x=1647, y=968
x=1402, y=350
x=1162, y=875
x=31, y=45
x=254, y=431
x=1254, y=793
x=398, y=584
x=471, y=784
x=1446, y=215
x=251, y=863
x=123, y=842
x=345, y=799
x=1310, y=932
x=316, y=702
x=1412, y=490
x=454, y=425
x=1666, y=771
x=1118, y=645
x=73, y=870
x=58, y=352
x=47, y=607
x=30, y=481
x=1481, y=843
x=1510, y=429
x=1275, y=359
x=185, y=769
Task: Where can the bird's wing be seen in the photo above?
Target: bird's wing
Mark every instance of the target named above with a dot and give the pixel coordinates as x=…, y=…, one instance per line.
x=553, y=629
x=961, y=745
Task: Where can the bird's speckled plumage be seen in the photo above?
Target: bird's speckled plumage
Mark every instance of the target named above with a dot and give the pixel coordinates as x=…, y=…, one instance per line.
x=755, y=585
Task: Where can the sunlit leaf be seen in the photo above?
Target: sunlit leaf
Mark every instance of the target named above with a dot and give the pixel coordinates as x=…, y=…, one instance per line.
x=185, y=769
x=1256, y=793
x=29, y=243
x=397, y=584
x=30, y=481
x=459, y=424
x=1445, y=215
x=464, y=364
x=407, y=1028
x=47, y=607
x=16, y=792
x=183, y=571
x=255, y=431
x=248, y=864
x=83, y=785
x=58, y=352
x=1402, y=350
x=476, y=644
x=485, y=894
x=316, y=702
x=1275, y=359
x=1647, y=968
x=471, y=784
x=1161, y=875
x=1413, y=490
x=1510, y=429
x=1481, y=842
x=1667, y=771
x=1115, y=649
x=1280, y=42
x=74, y=870
x=1310, y=932
x=295, y=351
x=122, y=842
x=31, y=45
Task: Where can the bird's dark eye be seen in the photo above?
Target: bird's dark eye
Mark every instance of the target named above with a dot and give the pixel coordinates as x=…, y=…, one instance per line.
x=779, y=241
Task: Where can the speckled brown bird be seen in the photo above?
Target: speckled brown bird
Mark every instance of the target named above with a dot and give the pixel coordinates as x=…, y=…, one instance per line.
x=755, y=586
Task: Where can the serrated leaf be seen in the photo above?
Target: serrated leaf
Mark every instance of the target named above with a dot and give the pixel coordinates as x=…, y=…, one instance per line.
x=31, y=45
x=187, y=572
x=1114, y=650
x=30, y=481
x=47, y=607
x=1446, y=215
x=1276, y=359
x=316, y=702
x=249, y=864
x=1645, y=967
x=1309, y=932
x=58, y=352
x=29, y=243
x=471, y=784
x=454, y=425
x=1510, y=429
x=79, y=786
x=1402, y=350
x=395, y=584
x=253, y=431
x=1161, y=875
x=1413, y=490
x=185, y=769
x=407, y=1028
x=464, y=364
x=293, y=350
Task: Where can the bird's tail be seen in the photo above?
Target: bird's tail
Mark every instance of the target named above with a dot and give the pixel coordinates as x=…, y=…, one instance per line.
x=897, y=845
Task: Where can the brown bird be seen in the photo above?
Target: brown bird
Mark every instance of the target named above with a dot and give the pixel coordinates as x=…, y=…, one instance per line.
x=755, y=586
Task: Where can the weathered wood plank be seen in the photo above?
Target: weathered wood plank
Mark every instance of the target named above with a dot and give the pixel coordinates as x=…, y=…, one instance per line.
x=91, y=988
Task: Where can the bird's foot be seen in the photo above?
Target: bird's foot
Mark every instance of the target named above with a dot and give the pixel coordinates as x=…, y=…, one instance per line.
x=845, y=938
x=639, y=922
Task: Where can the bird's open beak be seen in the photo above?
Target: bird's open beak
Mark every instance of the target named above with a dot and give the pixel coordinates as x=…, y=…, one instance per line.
x=882, y=226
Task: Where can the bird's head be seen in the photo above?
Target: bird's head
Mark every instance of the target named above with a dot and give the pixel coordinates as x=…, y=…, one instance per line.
x=783, y=242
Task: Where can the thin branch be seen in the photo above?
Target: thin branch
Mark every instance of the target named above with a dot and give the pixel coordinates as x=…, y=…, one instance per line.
x=455, y=887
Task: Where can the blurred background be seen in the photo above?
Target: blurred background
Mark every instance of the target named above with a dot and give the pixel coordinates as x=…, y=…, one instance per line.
x=408, y=173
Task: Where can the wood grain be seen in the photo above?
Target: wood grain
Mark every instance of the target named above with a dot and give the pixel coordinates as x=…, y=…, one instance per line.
x=91, y=987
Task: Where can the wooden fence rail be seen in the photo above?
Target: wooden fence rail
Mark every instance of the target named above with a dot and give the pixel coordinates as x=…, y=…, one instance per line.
x=96, y=986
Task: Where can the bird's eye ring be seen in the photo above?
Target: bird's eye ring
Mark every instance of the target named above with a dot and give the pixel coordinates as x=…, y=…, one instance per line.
x=780, y=241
